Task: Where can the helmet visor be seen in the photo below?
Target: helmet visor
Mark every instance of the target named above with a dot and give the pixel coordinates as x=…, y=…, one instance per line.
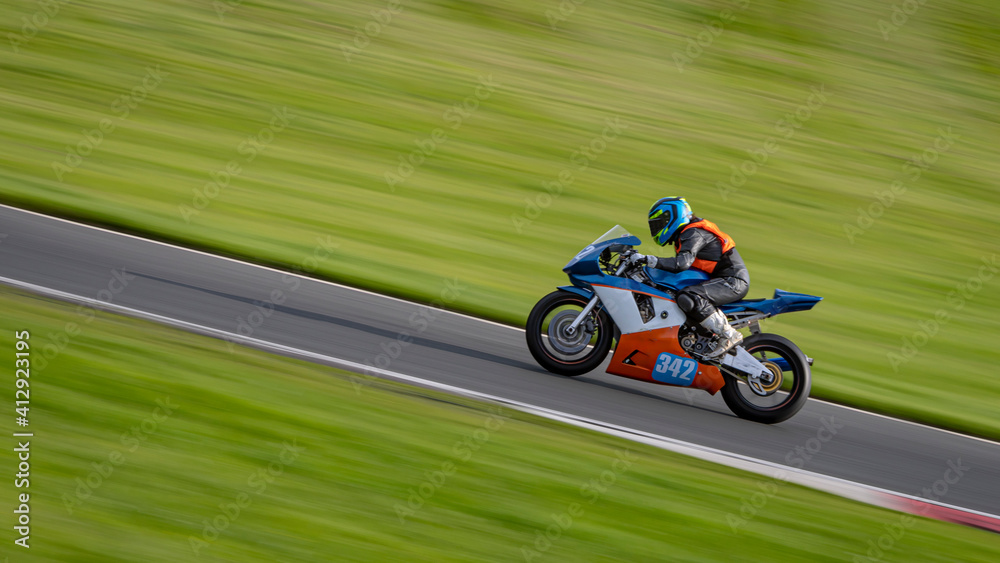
x=659, y=221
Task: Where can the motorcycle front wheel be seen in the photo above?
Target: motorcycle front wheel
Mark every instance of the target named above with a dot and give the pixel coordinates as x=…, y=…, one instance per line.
x=559, y=351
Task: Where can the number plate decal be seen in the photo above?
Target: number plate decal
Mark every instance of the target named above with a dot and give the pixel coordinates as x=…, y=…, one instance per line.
x=675, y=370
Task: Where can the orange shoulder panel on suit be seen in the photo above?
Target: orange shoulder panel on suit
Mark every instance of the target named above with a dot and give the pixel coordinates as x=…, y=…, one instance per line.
x=708, y=266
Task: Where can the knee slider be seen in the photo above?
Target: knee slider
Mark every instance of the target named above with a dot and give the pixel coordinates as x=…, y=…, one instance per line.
x=686, y=302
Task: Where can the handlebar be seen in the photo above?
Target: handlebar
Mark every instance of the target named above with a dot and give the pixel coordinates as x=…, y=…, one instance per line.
x=623, y=266
x=623, y=260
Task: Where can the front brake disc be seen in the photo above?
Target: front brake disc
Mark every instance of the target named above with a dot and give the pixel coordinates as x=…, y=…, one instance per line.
x=565, y=343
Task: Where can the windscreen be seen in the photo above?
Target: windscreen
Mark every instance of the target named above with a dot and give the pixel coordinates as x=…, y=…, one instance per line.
x=616, y=232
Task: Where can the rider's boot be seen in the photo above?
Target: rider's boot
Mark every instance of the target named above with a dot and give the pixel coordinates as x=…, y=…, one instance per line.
x=726, y=335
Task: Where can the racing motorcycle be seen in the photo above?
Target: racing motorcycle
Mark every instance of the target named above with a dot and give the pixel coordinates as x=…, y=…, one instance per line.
x=614, y=301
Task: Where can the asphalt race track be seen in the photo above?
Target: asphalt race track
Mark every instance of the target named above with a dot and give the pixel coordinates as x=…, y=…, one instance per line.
x=477, y=355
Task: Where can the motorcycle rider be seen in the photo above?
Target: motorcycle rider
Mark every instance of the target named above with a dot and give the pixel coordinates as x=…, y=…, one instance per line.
x=701, y=245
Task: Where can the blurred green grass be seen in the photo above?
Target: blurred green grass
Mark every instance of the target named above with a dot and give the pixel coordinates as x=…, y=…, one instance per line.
x=456, y=213
x=360, y=456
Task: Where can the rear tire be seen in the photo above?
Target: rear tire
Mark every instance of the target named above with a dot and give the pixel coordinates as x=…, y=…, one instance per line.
x=798, y=394
x=543, y=352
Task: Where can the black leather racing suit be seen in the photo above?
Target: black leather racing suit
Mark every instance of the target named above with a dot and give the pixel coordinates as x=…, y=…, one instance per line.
x=729, y=281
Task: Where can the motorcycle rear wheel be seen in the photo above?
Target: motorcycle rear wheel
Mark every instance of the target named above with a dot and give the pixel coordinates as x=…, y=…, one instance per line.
x=562, y=354
x=790, y=396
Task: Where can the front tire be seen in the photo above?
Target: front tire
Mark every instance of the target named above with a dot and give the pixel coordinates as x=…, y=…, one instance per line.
x=789, y=396
x=556, y=356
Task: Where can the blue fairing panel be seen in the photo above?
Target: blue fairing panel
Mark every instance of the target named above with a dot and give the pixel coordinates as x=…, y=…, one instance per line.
x=585, y=293
x=620, y=283
x=782, y=302
x=677, y=281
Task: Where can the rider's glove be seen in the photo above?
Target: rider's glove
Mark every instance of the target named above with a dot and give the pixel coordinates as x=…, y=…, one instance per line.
x=642, y=260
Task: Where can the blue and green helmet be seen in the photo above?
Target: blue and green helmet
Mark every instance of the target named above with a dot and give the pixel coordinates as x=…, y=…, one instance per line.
x=667, y=217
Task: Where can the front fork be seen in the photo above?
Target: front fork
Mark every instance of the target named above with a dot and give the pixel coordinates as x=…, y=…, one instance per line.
x=571, y=329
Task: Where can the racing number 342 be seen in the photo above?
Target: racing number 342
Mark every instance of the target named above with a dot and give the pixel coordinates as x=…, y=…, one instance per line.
x=674, y=369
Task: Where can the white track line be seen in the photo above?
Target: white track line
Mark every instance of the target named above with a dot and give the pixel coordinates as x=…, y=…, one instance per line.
x=366, y=292
x=849, y=489
x=910, y=422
